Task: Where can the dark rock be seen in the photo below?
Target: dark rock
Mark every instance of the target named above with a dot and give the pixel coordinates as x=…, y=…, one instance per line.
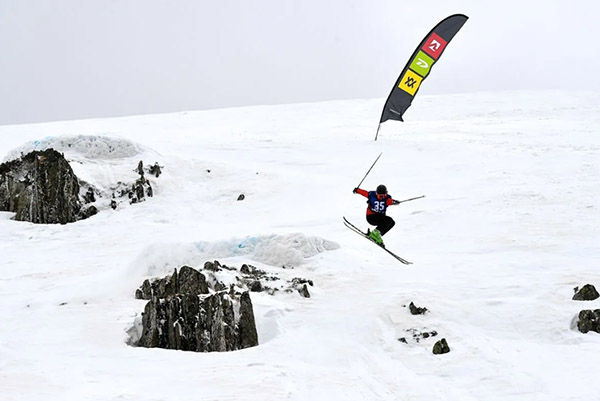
x=179, y=314
x=89, y=196
x=415, y=310
x=138, y=189
x=212, y=266
x=86, y=212
x=187, y=281
x=589, y=321
x=241, y=197
x=300, y=284
x=155, y=170
x=301, y=281
x=255, y=286
x=255, y=272
x=586, y=293
x=418, y=334
x=40, y=187
x=247, y=325
x=191, y=281
x=441, y=347
x=194, y=323
x=140, y=168
x=141, y=188
x=304, y=291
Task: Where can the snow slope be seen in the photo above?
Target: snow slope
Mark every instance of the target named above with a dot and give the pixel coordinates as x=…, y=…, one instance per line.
x=509, y=226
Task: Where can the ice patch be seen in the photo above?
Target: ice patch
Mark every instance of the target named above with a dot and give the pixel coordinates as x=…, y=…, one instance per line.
x=276, y=250
x=82, y=146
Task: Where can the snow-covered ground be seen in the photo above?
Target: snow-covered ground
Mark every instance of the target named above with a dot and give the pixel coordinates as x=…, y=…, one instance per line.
x=509, y=226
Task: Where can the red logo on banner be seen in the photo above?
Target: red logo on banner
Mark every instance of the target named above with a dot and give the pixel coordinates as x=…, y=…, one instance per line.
x=434, y=45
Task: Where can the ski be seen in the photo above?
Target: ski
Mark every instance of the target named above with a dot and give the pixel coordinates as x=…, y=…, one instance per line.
x=363, y=234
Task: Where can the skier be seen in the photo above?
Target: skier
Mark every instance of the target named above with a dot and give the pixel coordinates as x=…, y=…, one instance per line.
x=378, y=201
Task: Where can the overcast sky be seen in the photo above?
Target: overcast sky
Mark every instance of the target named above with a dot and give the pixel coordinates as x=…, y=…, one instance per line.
x=72, y=59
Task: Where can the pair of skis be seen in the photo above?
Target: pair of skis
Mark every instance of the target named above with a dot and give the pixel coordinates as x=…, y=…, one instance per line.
x=364, y=234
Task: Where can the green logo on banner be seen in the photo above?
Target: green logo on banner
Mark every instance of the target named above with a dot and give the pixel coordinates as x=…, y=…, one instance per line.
x=421, y=64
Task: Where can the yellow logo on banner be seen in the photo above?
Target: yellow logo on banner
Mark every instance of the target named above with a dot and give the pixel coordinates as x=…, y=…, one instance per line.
x=410, y=82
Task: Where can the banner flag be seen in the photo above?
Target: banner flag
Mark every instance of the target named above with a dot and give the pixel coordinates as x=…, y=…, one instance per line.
x=419, y=66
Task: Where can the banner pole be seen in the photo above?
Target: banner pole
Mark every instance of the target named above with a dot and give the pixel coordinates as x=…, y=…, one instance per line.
x=377, y=133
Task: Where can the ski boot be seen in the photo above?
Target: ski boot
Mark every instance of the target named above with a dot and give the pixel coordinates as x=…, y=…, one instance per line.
x=375, y=236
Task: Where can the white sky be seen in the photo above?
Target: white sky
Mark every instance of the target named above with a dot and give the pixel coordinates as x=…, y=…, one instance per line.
x=67, y=59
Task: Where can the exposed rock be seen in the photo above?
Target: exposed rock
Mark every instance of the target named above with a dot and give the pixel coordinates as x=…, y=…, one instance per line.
x=589, y=321
x=255, y=272
x=441, y=347
x=418, y=334
x=247, y=325
x=89, y=196
x=155, y=170
x=586, y=293
x=191, y=281
x=87, y=211
x=187, y=281
x=241, y=197
x=300, y=284
x=212, y=266
x=180, y=316
x=140, y=168
x=141, y=188
x=415, y=310
x=304, y=291
x=40, y=187
x=255, y=285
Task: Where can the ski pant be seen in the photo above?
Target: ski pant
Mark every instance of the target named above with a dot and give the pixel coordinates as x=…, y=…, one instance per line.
x=384, y=223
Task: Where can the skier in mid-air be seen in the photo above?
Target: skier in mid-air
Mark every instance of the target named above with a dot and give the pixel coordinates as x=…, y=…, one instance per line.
x=378, y=201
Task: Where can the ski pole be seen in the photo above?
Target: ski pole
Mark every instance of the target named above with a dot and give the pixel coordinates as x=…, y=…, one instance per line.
x=406, y=200
x=361, y=181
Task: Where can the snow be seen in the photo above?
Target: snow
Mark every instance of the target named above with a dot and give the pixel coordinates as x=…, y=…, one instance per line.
x=509, y=226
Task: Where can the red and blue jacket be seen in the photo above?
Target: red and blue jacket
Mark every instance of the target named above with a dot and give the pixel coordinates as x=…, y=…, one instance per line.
x=375, y=205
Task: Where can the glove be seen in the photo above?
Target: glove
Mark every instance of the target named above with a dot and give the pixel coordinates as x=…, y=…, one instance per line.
x=355, y=190
x=395, y=202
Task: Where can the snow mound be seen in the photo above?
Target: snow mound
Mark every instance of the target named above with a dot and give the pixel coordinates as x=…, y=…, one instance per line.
x=283, y=250
x=276, y=250
x=82, y=146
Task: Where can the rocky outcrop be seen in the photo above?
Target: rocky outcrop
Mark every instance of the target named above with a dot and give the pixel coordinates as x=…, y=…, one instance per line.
x=416, y=310
x=589, y=320
x=586, y=293
x=417, y=335
x=40, y=187
x=441, y=347
x=190, y=322
x=187, y=281
x=185, y=313
x=137, y=191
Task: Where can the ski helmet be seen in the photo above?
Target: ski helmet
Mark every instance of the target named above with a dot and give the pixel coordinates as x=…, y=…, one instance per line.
x=381, y=189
